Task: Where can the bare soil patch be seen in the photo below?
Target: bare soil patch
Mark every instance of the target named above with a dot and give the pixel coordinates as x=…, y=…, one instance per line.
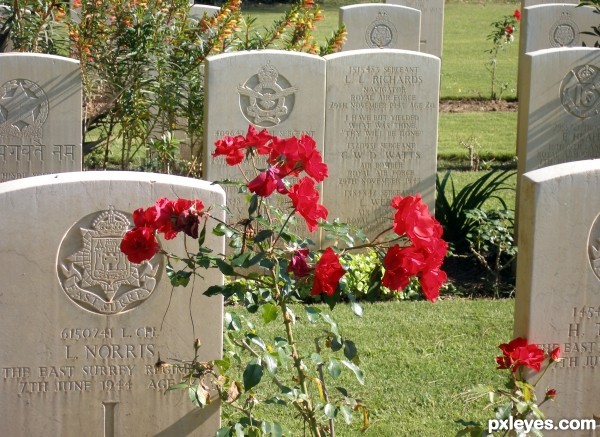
x=470, y=105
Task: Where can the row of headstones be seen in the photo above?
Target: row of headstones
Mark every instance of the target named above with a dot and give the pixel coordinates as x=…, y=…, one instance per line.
x=558, y=201
x=558, y=272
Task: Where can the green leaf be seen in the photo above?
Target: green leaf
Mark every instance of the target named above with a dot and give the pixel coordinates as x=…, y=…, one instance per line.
x=179, y=278
x=255, y=339
x=347, y=413
x=334, y=368
x=226, y=291
x=252, y=374
x=313, y=314
x=522, y=407
x=316, y=358
x=272, y=428
x=330, y=411
x=360, y=376
x=232, y=321
x=262, y=235
x=224, y=432
x=198, y=395
x=357, y=309
x=202, y=235
x=225, y=268
x=269, y=312
x=334, y=328
x=253, y=204
x=503, y=411
x=223, y=364
x=271, y=363
x=336, y=344
x=240, y=259
x=350, y=350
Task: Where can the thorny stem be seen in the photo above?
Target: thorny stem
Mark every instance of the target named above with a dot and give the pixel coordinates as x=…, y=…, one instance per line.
x=283, y=227
x=325, y=394
x=308, y=409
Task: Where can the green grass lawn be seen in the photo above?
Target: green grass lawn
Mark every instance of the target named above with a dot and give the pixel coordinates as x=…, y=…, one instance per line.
x=491, y=135
x=417, y=357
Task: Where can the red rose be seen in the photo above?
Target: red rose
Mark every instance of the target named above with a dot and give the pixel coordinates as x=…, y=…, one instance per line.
x=163, y=211
x=431, y=282
x=517, y=15
x=305, y=199
x=285, y=155
x=139, y=218
x=186, y=216
x=400, y=264
x=258, y=140
x=231, y=148
x=413, y=219
x=312, y=161
x=508, y=30
x=266, y=182
x=139, y=244
x=328, y=273
x=550, y=394
x=555, y=354
x=298, y=263
x=519, y=353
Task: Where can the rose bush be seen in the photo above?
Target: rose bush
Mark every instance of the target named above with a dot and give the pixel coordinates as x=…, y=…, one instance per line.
x=518, y=399
x=501, y=37
x=269, y=268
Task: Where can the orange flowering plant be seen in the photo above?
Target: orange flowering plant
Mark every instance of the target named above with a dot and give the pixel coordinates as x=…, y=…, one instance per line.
x=270, y=268
x=518, y=399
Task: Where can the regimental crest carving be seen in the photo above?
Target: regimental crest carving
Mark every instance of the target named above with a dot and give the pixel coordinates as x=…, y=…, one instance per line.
x=594, y=247
x=267, y=98
x=23, y=110
x=381, y=33
x=98, y=276
x=580, y=91
x=564, y=33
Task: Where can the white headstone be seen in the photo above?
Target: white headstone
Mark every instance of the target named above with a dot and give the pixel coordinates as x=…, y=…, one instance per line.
x=274, y=89
x=559, y=107
x=40, y=115
x=386, y=26
x=198, y=11
x=432, y=23
x=558, y=283
x=527, y=3
x=556, y=25
x=82, y=327
x=552, y=26
x=381, y=132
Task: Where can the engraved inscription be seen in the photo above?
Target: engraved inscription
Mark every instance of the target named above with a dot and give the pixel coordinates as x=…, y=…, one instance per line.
x=23, y=110
x=267, y=98
x=382, y=124
x=98, y=276
x=381, y=33
x=581, y=346
x=580, y=91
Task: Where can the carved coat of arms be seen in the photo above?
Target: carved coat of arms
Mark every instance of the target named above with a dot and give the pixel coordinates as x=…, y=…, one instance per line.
x=267, y=98
x=98, y=276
